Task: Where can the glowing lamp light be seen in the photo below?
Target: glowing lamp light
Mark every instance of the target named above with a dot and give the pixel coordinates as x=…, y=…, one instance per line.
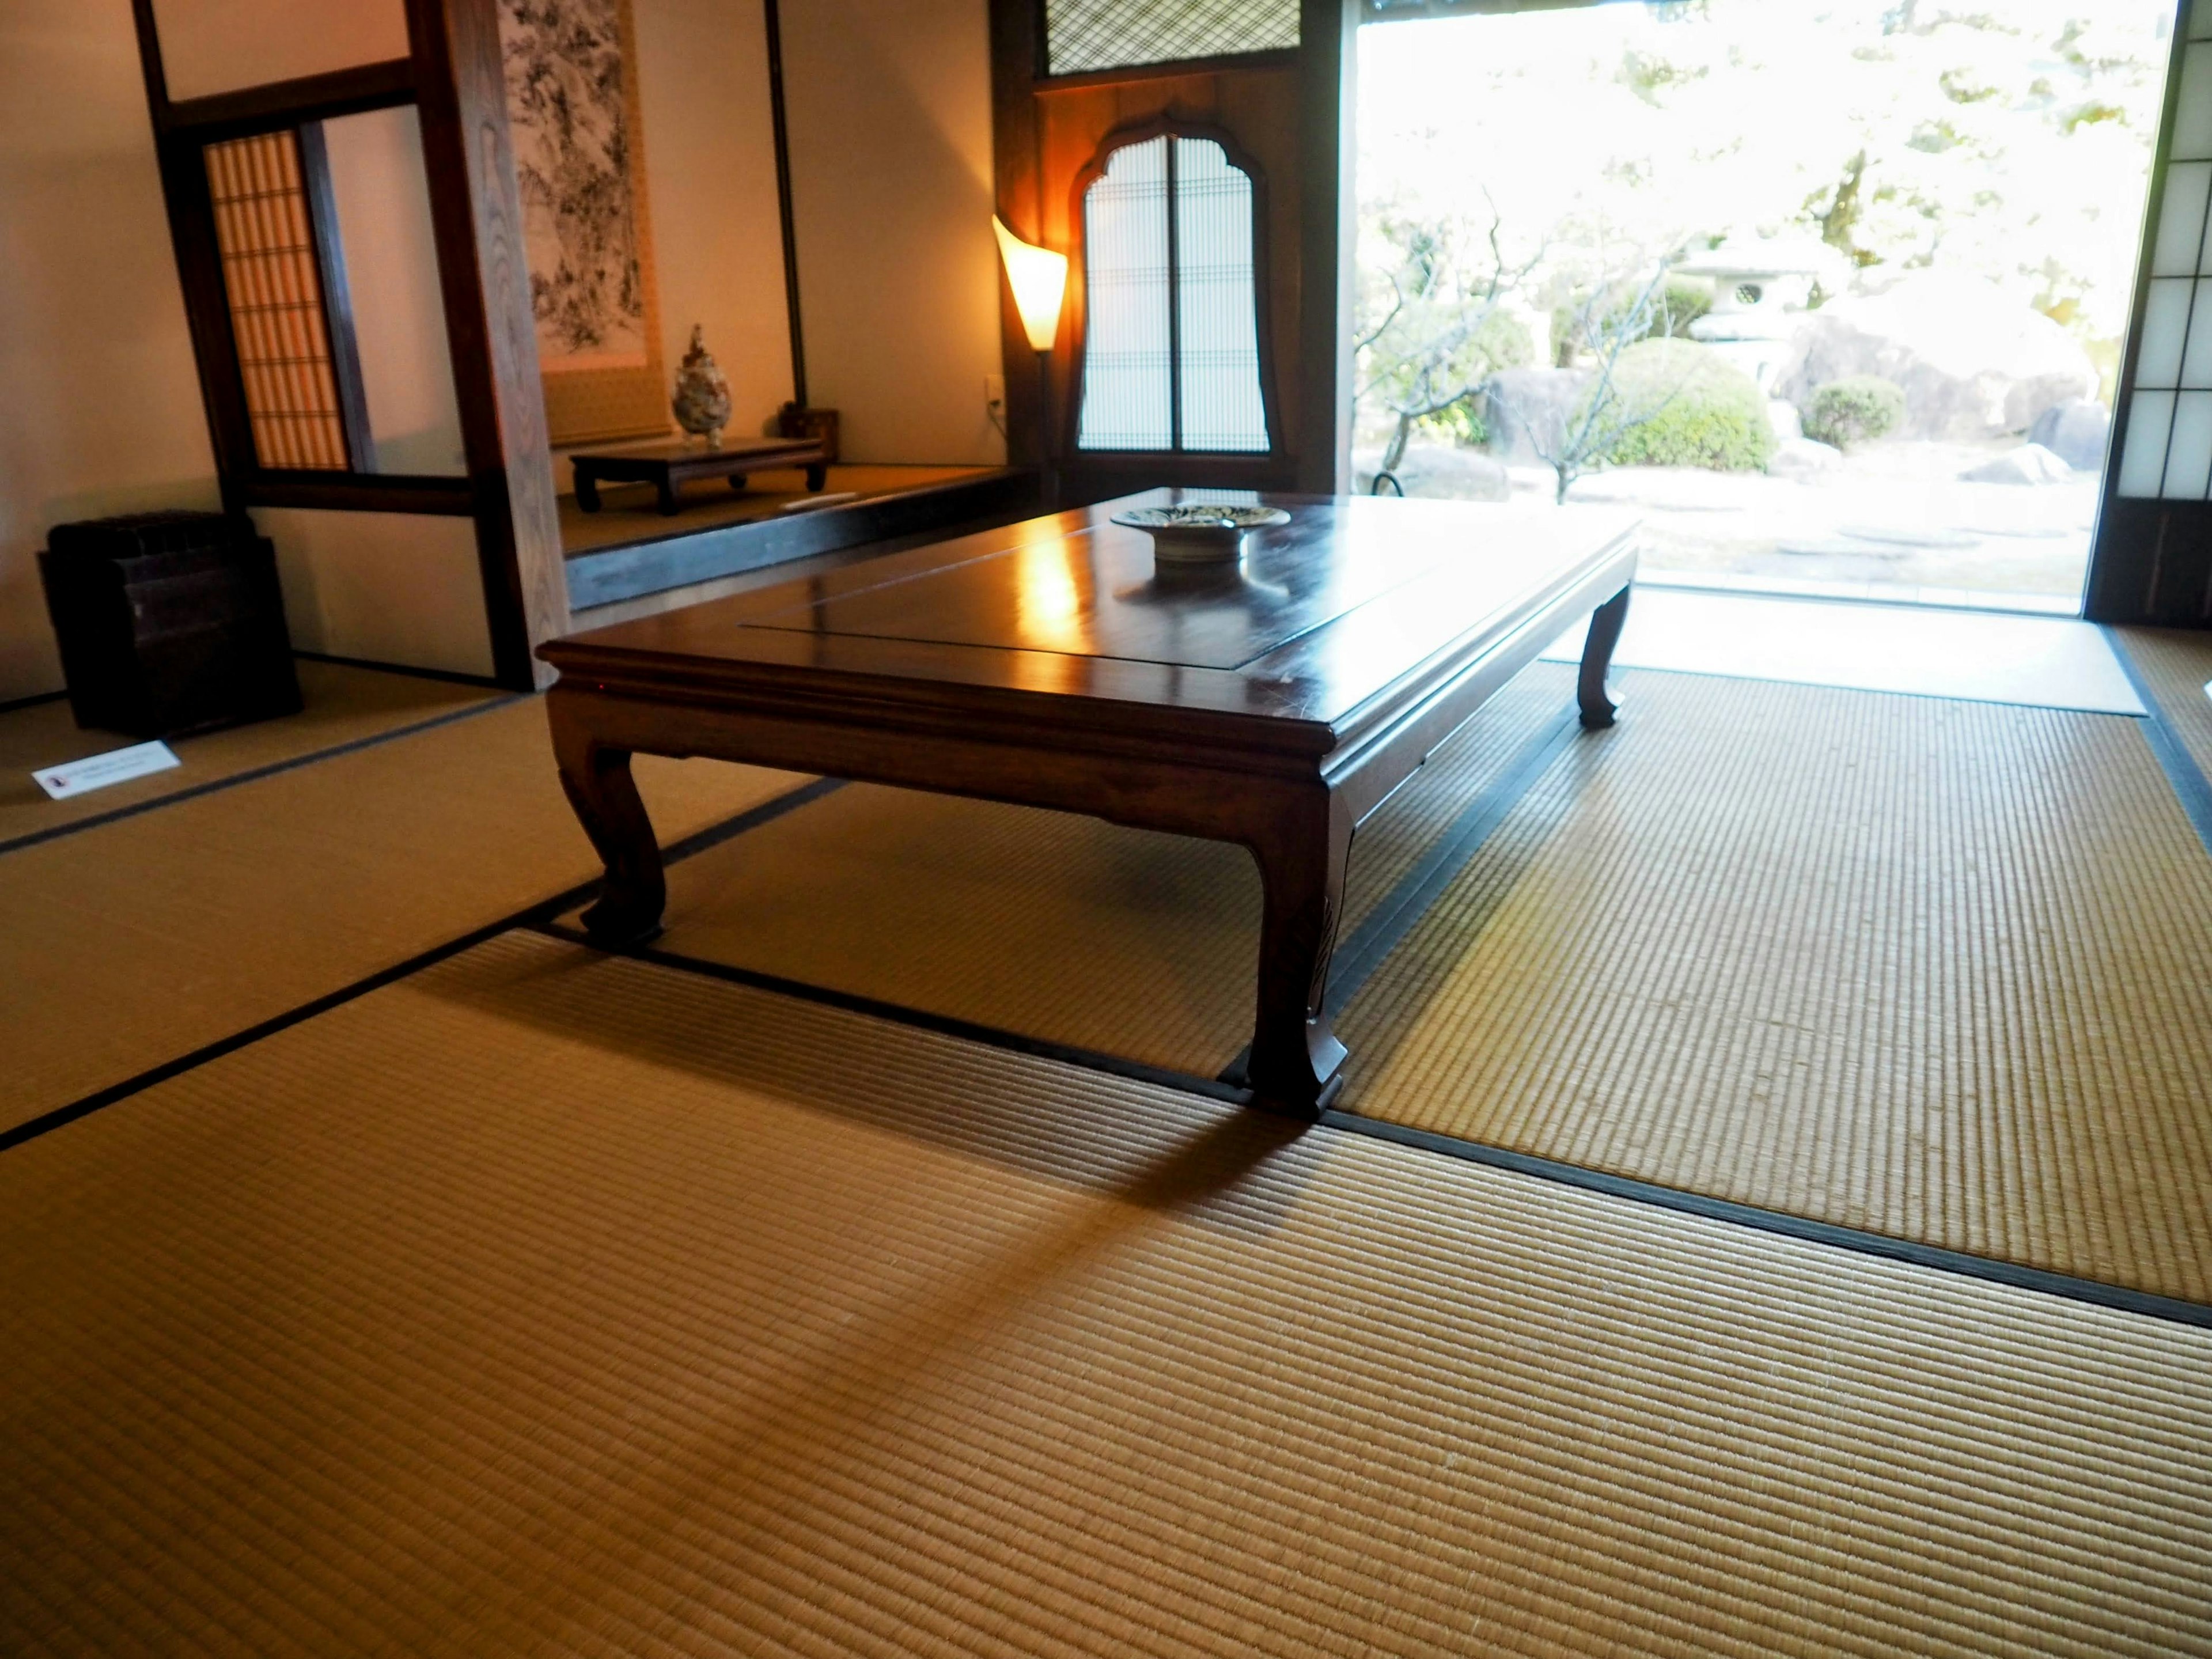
x=1039, y=277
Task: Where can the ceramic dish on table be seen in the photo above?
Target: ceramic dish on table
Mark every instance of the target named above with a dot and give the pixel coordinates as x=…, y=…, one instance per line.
x=1199, y=532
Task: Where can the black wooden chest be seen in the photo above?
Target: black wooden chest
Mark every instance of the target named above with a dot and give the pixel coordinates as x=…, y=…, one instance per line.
x=169, y=622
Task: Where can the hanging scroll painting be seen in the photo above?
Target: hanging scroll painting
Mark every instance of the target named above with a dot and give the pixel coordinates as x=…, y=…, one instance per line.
x=579, y=165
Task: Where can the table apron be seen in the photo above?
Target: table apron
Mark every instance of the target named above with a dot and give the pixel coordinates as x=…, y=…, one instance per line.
x=1220, y=802
x=1372, y=765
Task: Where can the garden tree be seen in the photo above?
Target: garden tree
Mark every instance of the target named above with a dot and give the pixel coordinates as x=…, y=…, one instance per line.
x=1433, y=327
x=2008, y=141
x=1601, y=324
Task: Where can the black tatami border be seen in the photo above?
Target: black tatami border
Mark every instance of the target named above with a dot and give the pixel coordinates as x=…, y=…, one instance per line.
x=530, y=915
x=1781, y=1221
x=1394, y=918
x=253, y=774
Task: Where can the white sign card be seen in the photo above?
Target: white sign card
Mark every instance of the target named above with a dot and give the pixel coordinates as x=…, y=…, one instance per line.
x=98, y=771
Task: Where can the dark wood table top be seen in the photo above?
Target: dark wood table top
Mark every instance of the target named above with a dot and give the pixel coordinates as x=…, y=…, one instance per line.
x=1348, y=601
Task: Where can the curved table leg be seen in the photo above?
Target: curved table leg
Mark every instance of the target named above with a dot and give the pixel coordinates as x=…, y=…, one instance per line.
x=816, y=477
x=1599, y=705
x=599, y=786
x=1295, y=1061
x=587, y=491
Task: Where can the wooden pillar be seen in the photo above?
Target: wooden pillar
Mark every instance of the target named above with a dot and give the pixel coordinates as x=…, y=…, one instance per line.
x=1329, y=138
x=477, y=216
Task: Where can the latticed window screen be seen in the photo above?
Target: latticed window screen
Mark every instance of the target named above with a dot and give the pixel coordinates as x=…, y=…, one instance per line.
x=1097, y=34
x=2169, y=440
x=275, y=289
x=1171, y=348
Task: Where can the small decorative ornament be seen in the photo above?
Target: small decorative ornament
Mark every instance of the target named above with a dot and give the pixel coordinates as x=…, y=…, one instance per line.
x=703, y=395
x=1199, y=532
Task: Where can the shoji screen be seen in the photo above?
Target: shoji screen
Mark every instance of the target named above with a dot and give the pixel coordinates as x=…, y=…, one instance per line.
x=2168, y=454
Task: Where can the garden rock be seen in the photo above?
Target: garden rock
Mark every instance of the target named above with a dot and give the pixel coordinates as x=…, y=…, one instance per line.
x=1803, y=459
x=1973, y=363
x=1521, y=401
x=1789, y=425
x=1438, y=472
x=2074, y=431
x=2031, y=463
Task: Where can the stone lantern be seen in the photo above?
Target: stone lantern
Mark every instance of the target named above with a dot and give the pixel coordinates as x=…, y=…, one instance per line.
x=1759, y=288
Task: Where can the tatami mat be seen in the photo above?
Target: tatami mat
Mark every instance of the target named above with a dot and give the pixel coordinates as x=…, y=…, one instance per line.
x=2176, y=666
x=558, y=1304
x=1940, y=970
x=129, y=944
x=345, y=705
x=1062, y=929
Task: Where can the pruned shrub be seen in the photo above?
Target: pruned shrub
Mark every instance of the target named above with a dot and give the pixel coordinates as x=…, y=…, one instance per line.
x=1855, y=411
x=1684, y=406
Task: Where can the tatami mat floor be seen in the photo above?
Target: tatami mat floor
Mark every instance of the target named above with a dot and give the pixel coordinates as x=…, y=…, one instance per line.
x=545, y=1302
x=345, y=705
x=2176, y=667
x=131, y=943
x=1936, y=971
x=553, y=1303
x=1939, y=970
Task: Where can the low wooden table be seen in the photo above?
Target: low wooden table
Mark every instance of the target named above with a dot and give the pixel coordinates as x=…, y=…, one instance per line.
x=665, y=465
x=1046, y=663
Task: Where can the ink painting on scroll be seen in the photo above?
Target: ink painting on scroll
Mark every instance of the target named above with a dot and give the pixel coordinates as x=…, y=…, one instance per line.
x=580, y=165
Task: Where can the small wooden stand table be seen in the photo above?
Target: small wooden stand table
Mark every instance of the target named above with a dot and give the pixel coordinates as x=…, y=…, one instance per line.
x=1047, y=664
x=665, y=465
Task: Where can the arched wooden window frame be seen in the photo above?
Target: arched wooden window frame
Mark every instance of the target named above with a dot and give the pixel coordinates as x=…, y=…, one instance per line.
x=1228, y=460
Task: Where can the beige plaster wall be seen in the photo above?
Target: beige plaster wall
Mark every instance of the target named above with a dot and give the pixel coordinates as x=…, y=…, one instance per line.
x=383, y=202
x=383, y=587
x=218, y=46
x=889, y=109
x=101, y=414
x=710, y=186
x=100, y=407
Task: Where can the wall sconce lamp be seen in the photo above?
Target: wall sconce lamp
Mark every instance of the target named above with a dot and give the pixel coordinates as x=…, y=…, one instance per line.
x=1039, y=279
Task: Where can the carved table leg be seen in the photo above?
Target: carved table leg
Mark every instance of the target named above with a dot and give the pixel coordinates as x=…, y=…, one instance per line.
x=1598, y=703
x=667, y=498
x=587, y=492
x=817, y=476
x=599, y=786
x=1296, y=1058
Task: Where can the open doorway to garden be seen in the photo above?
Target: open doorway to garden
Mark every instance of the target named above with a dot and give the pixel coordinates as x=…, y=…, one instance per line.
x=1834, y=290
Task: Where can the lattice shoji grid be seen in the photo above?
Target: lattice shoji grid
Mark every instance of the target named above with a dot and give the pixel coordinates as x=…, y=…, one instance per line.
x=1171, y=347
x=2169, y=442
x=1097, y=34
x=275, y=293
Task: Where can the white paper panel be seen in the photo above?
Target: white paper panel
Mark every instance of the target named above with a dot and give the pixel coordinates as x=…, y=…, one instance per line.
x=2192, y=115
x=2196, y=362
x=1222, y=408
x=2188, y=456
x=1126, y=381
x=2150, y=424
x=2181, y=219
x=2164, y=332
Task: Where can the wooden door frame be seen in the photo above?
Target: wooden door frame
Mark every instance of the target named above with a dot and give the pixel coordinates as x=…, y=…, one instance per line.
x=454, y=78
x=1313, y=453
x=2150, y=559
